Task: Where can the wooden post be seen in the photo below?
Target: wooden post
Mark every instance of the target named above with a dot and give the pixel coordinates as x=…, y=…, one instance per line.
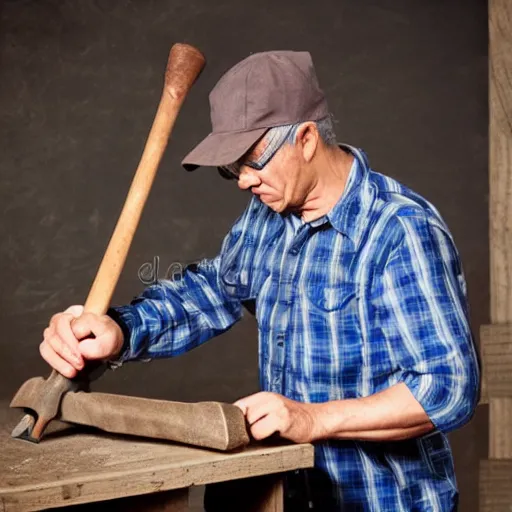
x=256, y=494
x=496, y=473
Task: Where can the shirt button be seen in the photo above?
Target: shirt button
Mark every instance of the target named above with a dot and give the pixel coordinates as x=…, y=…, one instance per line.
x=294, y=251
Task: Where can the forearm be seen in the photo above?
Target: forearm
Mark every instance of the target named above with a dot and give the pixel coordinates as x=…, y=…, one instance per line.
x=172, y=317
x=392, y=414
x=391, y=434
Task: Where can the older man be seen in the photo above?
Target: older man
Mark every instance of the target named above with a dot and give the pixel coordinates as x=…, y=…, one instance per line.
x=365, y=345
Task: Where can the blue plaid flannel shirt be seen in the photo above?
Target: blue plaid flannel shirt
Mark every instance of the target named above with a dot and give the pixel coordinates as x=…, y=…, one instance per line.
x=370, y=295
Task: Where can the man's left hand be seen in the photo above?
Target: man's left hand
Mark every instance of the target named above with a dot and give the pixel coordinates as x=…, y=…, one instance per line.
x=268, y=413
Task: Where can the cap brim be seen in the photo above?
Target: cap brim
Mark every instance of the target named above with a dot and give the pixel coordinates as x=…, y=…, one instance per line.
x=219, y=149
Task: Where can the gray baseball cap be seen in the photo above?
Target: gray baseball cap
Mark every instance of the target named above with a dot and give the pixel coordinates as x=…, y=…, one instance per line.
x=264, y=90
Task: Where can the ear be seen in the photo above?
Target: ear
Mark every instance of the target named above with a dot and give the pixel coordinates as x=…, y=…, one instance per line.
x=307, y=139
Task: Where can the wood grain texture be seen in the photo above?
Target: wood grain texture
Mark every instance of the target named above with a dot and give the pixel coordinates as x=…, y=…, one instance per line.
x=72, y=466
x=484, y=395
x=495, y=486
x=500, y=213
x=215, y=425
x=500, y=429
x=496, y=349
x=500, y=155
x=273, y=501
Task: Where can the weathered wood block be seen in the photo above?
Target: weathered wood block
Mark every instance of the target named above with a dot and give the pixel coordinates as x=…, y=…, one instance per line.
x=500, y=159
x=495, y=485
x=500, y=429
x=496, y=350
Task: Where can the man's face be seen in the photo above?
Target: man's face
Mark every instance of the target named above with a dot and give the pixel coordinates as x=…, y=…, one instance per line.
x=278, y=184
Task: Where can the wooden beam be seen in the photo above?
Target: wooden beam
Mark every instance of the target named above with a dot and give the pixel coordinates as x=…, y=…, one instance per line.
x=273, y=500
x=496, y=350
x=500, y=214
x=500, y=159
x=495, y=486
x=496, y=475
x=484, y=395
x=500, y=429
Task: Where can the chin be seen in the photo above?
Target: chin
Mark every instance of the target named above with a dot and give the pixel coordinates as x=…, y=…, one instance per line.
x=277, y=205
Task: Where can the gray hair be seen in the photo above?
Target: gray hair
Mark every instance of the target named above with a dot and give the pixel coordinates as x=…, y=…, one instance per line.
x=288, y=131
x=325, y=128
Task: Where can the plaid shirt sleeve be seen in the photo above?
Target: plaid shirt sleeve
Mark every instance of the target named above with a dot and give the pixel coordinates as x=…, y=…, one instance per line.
x=174, y=316
x=426, y=319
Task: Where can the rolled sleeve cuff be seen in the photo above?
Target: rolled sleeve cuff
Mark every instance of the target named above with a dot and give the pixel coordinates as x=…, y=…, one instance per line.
x=448, y=405
x=128, y=320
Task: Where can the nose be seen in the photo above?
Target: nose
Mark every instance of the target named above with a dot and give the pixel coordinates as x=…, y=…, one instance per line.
x=248, y=178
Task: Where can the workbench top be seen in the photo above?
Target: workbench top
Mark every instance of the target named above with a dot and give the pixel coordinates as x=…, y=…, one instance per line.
x=80, y=465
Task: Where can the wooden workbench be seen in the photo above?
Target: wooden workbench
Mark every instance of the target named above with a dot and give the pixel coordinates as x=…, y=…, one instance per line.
x=74, y=465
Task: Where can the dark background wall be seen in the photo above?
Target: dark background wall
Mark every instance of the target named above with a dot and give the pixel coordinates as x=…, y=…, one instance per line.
x=79, y=85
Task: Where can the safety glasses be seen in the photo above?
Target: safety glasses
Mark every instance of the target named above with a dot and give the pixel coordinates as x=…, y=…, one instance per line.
x=275, y=139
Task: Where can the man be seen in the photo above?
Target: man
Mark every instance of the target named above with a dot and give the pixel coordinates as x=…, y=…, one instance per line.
x=365, y=344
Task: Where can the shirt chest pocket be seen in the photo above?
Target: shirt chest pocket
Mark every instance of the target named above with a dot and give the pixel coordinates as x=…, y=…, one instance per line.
x=329, y=296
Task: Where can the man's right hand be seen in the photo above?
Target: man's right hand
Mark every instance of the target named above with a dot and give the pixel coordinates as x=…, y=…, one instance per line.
x=73, y=337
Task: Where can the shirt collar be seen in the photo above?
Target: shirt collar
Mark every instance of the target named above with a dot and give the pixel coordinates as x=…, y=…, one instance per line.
x=348, y=216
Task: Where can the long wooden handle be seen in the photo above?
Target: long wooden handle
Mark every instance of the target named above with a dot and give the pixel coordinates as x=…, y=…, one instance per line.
x=183, y=67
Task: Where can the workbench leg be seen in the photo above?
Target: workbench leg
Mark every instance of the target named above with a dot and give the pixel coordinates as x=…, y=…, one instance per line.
x=272, y=496
x=255, y=494
x=164, y=501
